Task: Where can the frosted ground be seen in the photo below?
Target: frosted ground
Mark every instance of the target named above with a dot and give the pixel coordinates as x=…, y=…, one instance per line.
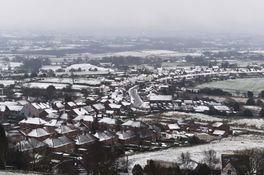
x=226, y=145
x=243, y=123
x=146, y=53
x=17, y=173
x=243, y=85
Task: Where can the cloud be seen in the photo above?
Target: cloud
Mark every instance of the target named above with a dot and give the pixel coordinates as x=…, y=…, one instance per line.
x=133, y=16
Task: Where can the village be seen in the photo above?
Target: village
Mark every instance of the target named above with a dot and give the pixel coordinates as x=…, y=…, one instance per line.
x=71, y=118
x=121, y=87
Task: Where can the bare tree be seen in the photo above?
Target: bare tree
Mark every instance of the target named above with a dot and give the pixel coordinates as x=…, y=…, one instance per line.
x=3, y=147
x=210, y=158
x=185, y=157
x=256, y=161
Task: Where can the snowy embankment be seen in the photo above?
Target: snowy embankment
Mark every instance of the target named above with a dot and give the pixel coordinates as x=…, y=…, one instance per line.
x=18, y=173
x=245, y=123
x=226, y=145
x=255, y=123
x=193, y=116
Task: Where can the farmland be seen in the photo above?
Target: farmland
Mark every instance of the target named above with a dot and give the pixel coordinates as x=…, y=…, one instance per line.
x=255, y=85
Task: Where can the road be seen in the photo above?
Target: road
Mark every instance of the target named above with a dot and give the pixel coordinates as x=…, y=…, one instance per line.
x=134, y=97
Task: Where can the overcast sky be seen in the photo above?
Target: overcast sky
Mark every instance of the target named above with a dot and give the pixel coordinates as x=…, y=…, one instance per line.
x=137, y=17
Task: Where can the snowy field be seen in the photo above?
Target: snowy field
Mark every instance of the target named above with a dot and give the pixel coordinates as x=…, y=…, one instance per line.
x=56, y=85
x=45, y=85
x=88, y=81
x=7, y=82
x=226, y=145
x=17, y=173
x=9, y=65
x=146, y=53
x=243, y=85
x=50, y=67
x=189, y=116
x=86, y=67
x=256, y=123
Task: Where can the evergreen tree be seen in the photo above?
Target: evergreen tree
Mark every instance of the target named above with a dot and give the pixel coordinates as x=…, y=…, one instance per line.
x=137, y=170
x=261, y=113
x=3, y=147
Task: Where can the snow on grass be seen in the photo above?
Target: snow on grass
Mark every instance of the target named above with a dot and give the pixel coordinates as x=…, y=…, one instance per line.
x=194, y=116
x=7, y=82
x=17, y=172
x=242, y=85
x=145, y=53
x=171, y=53
x=253, y=108
x=56, y=85
x=224, y=146
x=258, y=123
x=9, y=65
x=86, y=67
x=45, y=85
x=51, y=67
x=88, y=81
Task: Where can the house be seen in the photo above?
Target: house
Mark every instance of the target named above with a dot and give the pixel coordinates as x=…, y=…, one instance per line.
x=70, y=105
x=132, y=124
x=234, y=164
x=48, y=114
x=12, y=111
x=125, y=104
x=141, y=129
x=173, y=127
x=220, y=133
x=126, y=137
x=30, y=145
x=201, y=109
x=79, y=112
x=84, y=140
x=114, y=107
x=188, y=125
x=54, y=123
x=60, y=144
x=65, y=116
x=99, y=108
x=107, y=123
x=188, y=102
x=66, y=130
x=194, y=168
x=89, y=109
x=32, y=123
x=22, y=102
x=86, y=119
x=220, y=129
x=39, y=134
x=222, y=109
x=58, y=105
x=106, y=137
x=33, y=109
x=80, y=104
